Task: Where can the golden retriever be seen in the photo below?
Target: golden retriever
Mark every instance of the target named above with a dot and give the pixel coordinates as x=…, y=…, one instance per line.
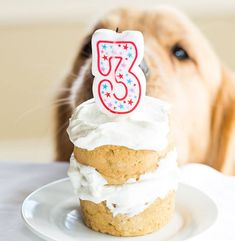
x=181, y=68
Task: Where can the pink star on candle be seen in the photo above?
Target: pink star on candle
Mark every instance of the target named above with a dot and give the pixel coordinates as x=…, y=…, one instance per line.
x=105, y=57
x=125, y=47
x=130, y=102
x=107, y=94
x=120, y=76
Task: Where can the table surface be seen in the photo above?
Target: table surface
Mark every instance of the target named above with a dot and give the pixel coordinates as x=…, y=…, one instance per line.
x=17, y=181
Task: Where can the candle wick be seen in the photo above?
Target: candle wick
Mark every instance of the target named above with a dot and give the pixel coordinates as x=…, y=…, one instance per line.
x=117, y=30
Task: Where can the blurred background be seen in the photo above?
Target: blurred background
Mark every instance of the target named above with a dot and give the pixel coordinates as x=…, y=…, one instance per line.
x=38, y=43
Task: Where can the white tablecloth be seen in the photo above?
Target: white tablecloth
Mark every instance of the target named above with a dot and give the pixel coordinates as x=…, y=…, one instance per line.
x=17, y=181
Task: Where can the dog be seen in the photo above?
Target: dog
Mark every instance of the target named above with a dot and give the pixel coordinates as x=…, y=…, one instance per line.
x=181, y=68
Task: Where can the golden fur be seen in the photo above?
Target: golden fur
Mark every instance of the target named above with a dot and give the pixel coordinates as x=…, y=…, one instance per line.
x=200, y=89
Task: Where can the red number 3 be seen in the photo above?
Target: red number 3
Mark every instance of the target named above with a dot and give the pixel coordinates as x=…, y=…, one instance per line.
x=119, y=83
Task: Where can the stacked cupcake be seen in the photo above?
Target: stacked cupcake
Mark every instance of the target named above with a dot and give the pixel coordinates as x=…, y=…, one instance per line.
x=124, y=168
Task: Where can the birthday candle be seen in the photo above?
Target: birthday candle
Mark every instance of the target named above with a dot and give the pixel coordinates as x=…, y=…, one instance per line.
x=119, y=83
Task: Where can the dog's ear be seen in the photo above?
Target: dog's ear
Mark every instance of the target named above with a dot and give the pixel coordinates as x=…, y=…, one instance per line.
x=64, y=110
x=83, y=54
x=86, y=47
x=222, y=148
x=85, y=50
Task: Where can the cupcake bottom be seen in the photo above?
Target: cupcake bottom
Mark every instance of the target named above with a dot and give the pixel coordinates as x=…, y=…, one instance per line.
x=99, y=218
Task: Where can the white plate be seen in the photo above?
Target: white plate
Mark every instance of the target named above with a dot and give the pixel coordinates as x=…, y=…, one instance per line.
x=52, y=213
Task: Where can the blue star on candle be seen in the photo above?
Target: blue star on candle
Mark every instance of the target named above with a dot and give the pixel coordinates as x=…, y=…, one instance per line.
x=129, y=81
x=104, y=46
x=129, y=55
x=105, y=86
x=121, y=106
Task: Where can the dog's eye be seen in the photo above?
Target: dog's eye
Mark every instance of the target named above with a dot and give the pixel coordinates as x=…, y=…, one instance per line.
x=180, y=53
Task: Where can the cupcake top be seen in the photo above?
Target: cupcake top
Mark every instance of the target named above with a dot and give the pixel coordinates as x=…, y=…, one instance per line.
x=146, y=128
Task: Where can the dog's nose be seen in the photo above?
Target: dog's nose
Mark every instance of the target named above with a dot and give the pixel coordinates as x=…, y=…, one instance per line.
x=144, y=67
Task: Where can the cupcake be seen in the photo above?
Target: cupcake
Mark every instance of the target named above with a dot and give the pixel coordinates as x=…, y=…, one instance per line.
x=123, y=168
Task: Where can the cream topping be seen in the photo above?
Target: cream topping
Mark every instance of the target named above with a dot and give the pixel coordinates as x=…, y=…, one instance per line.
x=145, y=128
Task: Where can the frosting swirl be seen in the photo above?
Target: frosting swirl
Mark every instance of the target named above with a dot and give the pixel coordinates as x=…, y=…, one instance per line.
x=146, y=128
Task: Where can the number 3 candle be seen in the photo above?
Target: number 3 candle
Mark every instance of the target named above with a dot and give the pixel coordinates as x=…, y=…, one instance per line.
x=119, y=83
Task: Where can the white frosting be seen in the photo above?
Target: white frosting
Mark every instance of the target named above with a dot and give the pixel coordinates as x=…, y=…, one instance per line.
x=146, y=128
x=130, y=198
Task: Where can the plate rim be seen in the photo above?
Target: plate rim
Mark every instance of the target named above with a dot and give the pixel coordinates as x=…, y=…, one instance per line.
x=35, y=230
